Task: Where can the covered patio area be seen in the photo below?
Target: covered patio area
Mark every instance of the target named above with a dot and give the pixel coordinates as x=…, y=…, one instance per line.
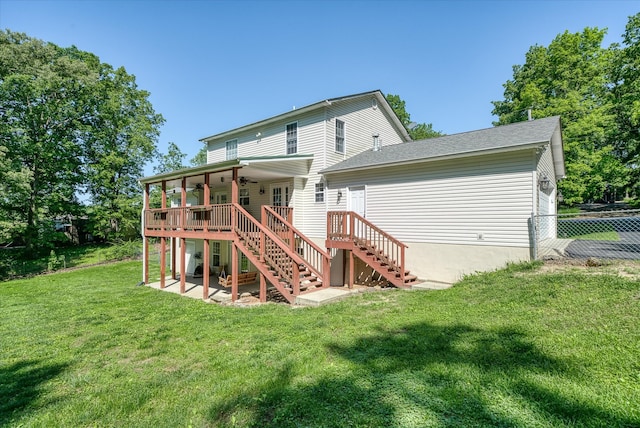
x=194, y=288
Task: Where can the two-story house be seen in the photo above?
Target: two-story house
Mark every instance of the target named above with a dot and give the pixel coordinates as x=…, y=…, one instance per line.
x=337, y=190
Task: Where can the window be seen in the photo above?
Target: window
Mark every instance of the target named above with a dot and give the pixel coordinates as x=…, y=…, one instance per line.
x=244, y=197
x=215, y=253
x=244, y=263
x=339, y=136
x=292, y=138
x=320, y=192
x=232, y=149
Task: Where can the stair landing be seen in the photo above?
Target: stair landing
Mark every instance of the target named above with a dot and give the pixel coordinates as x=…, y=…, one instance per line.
x=321, y=297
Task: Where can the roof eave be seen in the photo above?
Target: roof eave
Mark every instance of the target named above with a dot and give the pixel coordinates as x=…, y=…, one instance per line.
x=440, y=158
x=382, y=101
x=220, y=166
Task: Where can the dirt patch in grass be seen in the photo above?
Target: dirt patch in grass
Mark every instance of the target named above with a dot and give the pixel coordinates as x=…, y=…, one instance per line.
x=625, y=268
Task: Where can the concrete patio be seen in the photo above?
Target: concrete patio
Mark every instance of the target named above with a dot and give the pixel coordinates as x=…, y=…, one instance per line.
x=248, y=293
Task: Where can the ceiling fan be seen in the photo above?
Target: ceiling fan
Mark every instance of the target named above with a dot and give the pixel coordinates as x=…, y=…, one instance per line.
x=245, y=180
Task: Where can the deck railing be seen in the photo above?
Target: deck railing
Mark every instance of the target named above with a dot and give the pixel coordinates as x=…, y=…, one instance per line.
x=317, y=259
x=284, y=212
x=270, y=248
x=196, y=217
x=349, y=226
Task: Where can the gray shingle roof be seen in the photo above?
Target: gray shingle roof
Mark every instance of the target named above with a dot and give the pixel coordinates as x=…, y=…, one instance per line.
x=498, y=138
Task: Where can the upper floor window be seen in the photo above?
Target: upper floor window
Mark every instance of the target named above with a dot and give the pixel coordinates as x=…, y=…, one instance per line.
x=232, y=149
x=339, y=136
x=320, y=192
x=292, y=138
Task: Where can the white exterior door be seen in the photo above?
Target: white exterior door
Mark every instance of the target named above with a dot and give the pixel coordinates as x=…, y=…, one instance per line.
x=357, y=201
x=220, y=198
x=547, y=210
x=280, y=195
x=189, y=260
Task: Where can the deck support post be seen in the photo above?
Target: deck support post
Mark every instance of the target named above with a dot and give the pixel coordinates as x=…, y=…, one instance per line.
x=145, y=240
x=163, y=261
x=207, y=190
x=183, y=268
x=351, y=268
x=263, y=289
x=234, y=272
x=163, y=240
x=145, y=250
x=205, y=271
x=173, y=258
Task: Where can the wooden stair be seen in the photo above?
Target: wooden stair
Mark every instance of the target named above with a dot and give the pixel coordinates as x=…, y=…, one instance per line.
x=285, y=269
x=381, y=263
x=382, y=252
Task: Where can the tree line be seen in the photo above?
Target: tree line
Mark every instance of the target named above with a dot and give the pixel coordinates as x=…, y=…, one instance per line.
x=596, y=91
x=69, y=125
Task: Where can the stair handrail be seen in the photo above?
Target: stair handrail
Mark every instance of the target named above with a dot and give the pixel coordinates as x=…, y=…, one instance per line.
x=274, y=262
x=318, y=262
x=372, y=237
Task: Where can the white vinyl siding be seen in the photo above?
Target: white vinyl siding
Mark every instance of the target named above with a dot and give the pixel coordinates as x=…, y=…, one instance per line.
x=482, y=200
x=271, y=140
x=316, y=132
x=364, y=121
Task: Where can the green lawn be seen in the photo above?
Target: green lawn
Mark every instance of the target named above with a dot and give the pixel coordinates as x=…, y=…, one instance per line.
x=515, y=348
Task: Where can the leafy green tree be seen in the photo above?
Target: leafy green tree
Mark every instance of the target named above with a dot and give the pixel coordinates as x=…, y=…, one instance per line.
x=417, y=131
x=120, y=140
x=570, y=78
x=68, y=123
x=173, y=160
x=626, y=98
x=43, y=97
x=14, y=189
x=200, y=158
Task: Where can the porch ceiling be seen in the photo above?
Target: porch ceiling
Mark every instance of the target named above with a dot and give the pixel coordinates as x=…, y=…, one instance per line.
x=253, y=169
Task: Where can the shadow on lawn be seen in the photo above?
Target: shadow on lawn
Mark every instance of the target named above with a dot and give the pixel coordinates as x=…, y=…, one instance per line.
x=422, y=374
x=20, y=386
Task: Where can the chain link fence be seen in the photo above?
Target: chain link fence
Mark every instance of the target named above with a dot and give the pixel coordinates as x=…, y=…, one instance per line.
x=601, y=235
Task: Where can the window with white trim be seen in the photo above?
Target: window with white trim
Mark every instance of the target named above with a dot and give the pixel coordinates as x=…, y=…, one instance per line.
x=320, y=192
x=292, y=138
x=232, y=149
x=215, y=253
x=243, y=197
x=339, y=136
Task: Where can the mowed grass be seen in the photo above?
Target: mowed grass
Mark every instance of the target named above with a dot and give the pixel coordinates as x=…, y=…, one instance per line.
x=514, y=348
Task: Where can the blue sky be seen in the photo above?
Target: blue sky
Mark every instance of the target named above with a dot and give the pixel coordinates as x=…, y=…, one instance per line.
x=214, y=65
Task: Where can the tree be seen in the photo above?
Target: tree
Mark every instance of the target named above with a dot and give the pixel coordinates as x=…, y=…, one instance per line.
x=416, y=131
x=173, y=160
x=14, y=188
x=626, y=98
x=43, y=96
x=570, y=78
x=200, y=158
x=69, y=123
x=120, y=140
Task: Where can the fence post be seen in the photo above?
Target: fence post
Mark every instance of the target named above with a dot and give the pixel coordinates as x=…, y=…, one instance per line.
x=534, y=236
